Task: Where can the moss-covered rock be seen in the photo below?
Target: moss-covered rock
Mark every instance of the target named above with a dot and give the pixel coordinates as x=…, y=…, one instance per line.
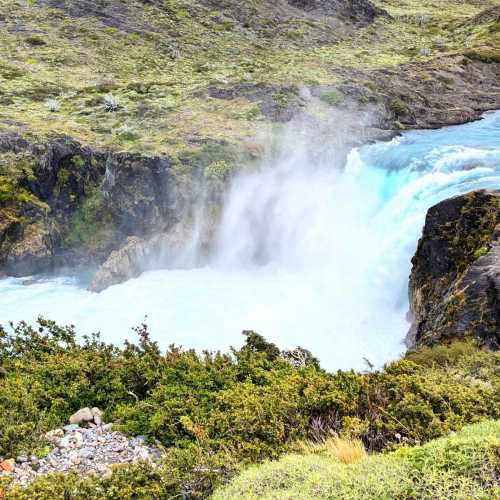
x=454, y=283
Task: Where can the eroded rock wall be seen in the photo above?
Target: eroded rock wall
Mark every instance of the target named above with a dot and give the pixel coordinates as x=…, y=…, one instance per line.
x=455, y=280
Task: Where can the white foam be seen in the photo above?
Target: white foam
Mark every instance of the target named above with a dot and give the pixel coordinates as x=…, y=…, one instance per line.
x=306, y=255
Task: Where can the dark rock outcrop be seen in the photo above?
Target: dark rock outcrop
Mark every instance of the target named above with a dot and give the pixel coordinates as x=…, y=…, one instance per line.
x=455, y=281
x=53, y=182
x=72, y=206
x=142, y=194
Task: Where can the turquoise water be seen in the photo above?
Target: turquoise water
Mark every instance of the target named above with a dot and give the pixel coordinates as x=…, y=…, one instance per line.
x=306, y=254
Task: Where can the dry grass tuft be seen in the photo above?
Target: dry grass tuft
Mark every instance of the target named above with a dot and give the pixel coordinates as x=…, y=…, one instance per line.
x=346, y=450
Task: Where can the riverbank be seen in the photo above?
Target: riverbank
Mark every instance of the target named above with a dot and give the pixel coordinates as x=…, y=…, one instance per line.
x=336, y=263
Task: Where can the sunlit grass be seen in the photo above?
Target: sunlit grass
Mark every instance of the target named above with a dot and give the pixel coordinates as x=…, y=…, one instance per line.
x=346, y=450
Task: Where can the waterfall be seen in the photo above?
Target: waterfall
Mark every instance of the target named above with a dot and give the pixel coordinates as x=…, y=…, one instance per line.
x=306, y=253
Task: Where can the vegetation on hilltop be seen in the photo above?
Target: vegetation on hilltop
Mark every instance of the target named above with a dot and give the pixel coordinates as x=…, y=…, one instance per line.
x=158, y=61
x=216, y=412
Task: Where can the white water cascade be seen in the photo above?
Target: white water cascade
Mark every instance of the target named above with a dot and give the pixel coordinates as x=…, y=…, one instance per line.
x=306, y=254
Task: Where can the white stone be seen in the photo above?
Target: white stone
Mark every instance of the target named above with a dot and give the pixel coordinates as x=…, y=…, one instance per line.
x=82, y=415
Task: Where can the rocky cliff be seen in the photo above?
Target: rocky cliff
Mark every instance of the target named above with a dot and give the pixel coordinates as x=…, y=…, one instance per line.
x=114, y=119
x=65, y=205
x=455, y=280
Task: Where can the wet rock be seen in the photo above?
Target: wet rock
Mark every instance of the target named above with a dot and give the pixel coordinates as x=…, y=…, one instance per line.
x=32, y=252
x=82, y=415
x=454, y=286
x=138, y=255
x=61, y=175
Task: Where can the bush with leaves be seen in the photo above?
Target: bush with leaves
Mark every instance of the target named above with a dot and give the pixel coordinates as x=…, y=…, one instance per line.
x=250, y=403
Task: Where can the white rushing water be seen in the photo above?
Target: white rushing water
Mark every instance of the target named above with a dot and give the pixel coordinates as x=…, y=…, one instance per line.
x=306, y=254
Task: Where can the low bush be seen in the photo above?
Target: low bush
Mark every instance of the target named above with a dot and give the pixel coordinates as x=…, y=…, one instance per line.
x=249, y=404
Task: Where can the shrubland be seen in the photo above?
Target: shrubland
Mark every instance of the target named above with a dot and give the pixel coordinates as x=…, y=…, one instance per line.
x=215, y=413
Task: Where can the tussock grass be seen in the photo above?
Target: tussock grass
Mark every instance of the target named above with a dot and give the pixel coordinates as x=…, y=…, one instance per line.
x=346, y=450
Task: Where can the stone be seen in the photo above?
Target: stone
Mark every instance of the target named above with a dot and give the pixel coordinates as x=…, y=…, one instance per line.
x=89, y=435
x=138, y=441
x=64, y=442
x=21, y=459
x=8, y=465
x=82, y=415
x=97, y=420
x=87, y=453
x=54, y=434
x=77, y=438
x=138, y=255
x=96, y=412
x=71, y=427
x=74, y=457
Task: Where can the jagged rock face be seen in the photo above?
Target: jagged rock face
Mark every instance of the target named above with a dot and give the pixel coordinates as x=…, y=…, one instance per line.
x=455, y=280
x=41, y=228
x=60, y=176
x=138, y=255
x=141, y=192
x=355, y=10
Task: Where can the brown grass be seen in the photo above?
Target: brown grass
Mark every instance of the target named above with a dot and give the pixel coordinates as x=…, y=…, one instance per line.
x=346, y=450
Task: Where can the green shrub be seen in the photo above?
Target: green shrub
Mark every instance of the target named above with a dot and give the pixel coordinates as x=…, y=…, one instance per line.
x=251, y=403
x=218, y=171
x=483, y=54
x=190, y=473
x=399, y=107
x=332, y=97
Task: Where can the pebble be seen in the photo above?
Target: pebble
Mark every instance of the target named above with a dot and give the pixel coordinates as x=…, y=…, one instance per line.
x=54, y=434
x=71, y=427
x=89, y=452
x=63, y=442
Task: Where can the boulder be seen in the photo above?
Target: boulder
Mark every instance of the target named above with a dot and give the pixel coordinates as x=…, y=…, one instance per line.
x=32, y=252
x=138, y=255
x=454, y=288
x=82, y=415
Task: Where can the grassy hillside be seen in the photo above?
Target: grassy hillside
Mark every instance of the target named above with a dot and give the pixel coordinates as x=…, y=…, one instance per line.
x=463, y=465
x=164, y=62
